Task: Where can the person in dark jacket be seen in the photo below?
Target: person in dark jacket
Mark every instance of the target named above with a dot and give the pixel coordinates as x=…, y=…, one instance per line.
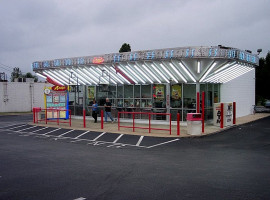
x=94, y=110
x=108, y=108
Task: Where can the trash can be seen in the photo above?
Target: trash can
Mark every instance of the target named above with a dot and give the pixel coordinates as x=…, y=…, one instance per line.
x=194, y=123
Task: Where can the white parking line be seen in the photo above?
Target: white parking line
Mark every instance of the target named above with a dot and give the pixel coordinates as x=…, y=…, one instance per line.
x=19, y=126
x=118, y=138
x=81, y=134
x=11, y=125
x=139, y=141
x=81, y=198
x=65, y=133
x=162, y=143
x=26, y=128
x=99, y=136
x=39, y=129
x=51, y=131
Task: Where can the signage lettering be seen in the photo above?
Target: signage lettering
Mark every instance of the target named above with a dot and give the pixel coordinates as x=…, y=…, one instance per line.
x=151, y=55
x=98, y=60
x=59, y=88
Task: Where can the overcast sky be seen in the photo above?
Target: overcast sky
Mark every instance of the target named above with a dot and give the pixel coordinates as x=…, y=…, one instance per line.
x=35, y=30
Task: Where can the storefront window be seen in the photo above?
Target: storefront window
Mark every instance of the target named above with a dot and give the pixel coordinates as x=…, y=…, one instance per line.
x=137, y=91
x=120, y=91
x=190, y=96
x=146, y=103
x=128, y=91
x=176, y=96
x=159, y=92
x=146, y=91
x=216, y=93
x=112, y=92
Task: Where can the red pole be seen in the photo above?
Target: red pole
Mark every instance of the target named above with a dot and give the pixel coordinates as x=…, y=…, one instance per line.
x=69, y=117
x=221, y=115
x=101, y=119
x=46, y=115
x=118, y=121
x=170, y=123
x=178, y=123
x=84, y=125
x=34, y=115
x=149, y=115
x=133, y=116
x=198, y=102
x=203, y=96
x=57, y=112
x=234, y=112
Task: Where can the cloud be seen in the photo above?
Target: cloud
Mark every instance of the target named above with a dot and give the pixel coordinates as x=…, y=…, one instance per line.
x=38, y=30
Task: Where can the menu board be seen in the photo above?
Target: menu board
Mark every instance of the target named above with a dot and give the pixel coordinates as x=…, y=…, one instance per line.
x=56, y=98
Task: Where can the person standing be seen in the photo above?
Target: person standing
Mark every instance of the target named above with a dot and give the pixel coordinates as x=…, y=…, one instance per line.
x=108, y=108
x=94, y=110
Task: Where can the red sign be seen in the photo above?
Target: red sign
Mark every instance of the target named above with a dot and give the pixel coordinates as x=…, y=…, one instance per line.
x=59, y=88
x=98, y=60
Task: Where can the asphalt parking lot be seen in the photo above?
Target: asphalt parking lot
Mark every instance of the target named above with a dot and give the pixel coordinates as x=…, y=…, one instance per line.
x=51, y=163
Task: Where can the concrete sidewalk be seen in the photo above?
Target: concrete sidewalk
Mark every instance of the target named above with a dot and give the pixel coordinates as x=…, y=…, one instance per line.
x=77, y=123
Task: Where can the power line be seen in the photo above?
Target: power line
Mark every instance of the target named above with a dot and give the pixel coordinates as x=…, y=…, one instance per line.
x=10, y=68
x=6, y=69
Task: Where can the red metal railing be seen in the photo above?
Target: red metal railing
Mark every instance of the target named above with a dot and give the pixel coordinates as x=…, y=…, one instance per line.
x=149, y=124
x=56, y=119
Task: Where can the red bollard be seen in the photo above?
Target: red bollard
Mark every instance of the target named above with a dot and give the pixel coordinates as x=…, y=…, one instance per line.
x=149, y=122
x=69, y=117
x=221, y=115
x=101, y=119
x=234, y=112
x=118, y=121
x=58, y=115
x=170, y=123
x=46, y=114
x=133, y=116
x=178, y=123
x=203, y=96
x=198, y=103
x=84, y=125
x=34, y=115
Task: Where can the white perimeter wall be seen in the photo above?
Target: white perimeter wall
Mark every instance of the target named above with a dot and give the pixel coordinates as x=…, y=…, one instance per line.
x=242, y=91
x=21, y=97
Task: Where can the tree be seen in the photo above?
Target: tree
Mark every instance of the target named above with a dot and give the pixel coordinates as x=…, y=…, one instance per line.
x=18, y=74
x=262, y=79
x=125, y=48
x=29, y=75
x=15, y=74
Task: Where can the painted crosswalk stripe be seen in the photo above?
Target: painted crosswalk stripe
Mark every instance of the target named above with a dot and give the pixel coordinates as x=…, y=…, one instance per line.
x=81, y=134
x=162, y=143
x=12, y=125
x=39, y=129
x=118, y=138
x=81, y=198
x=51, y=131
x=139, y=141
x=65, y=133
x=27, y=128
x=19, y=126
x=99, y=136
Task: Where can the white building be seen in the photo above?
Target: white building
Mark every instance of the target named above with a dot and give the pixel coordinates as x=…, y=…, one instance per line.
x=161, y=80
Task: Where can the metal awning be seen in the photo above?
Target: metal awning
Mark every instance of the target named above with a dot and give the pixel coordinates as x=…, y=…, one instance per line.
x=178, y=65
